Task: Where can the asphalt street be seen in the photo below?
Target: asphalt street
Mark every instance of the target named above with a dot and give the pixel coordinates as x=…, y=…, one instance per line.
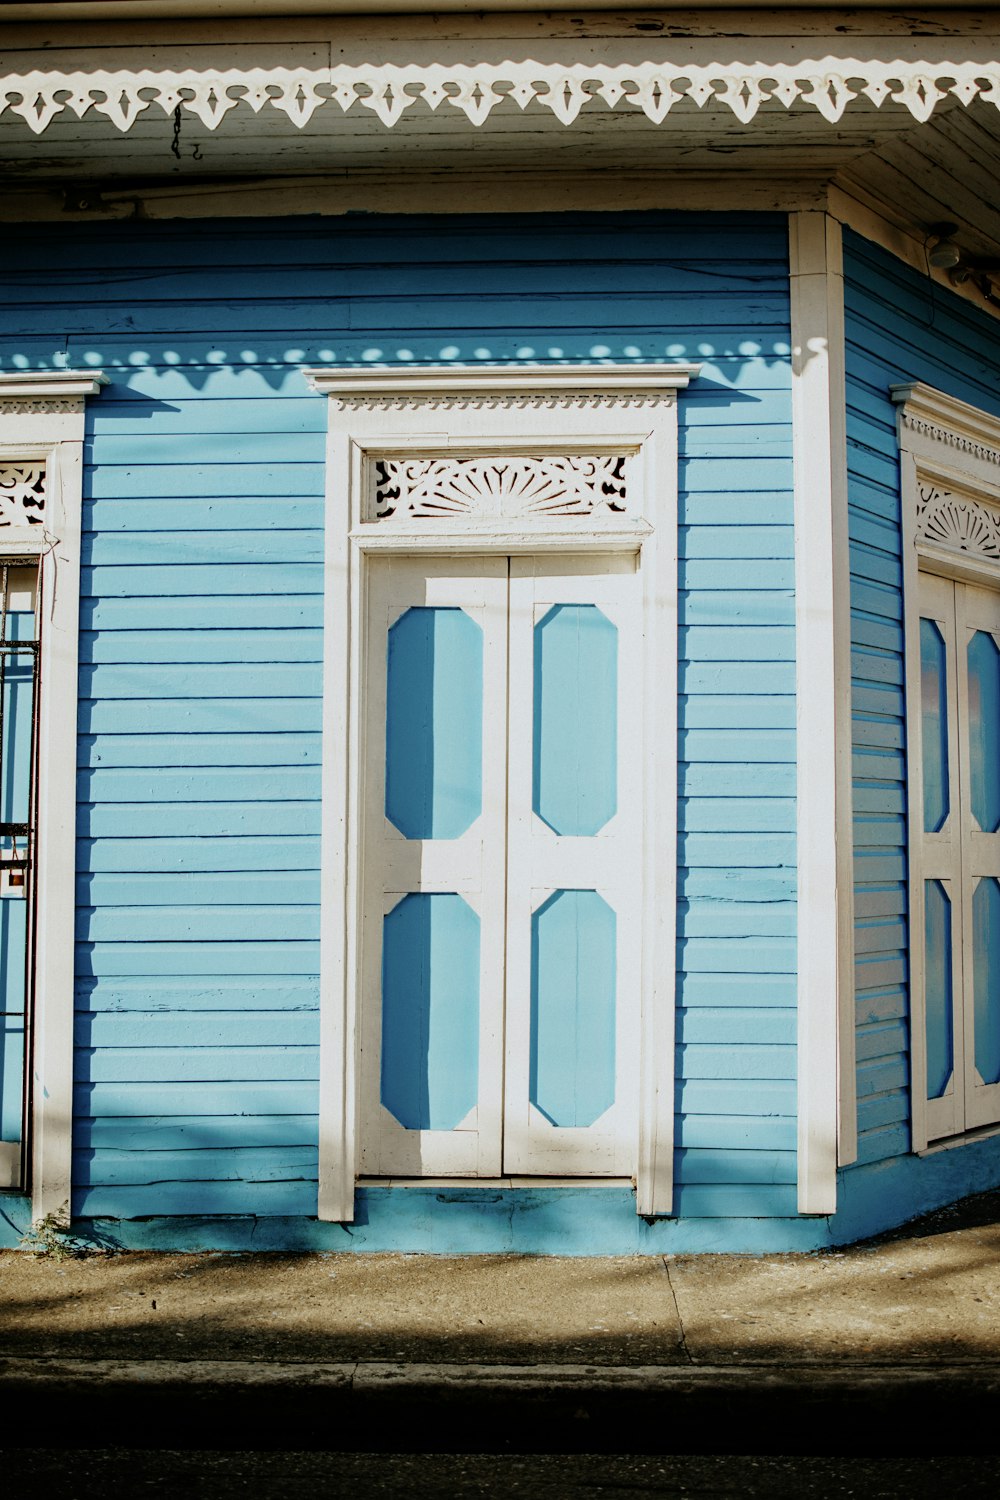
x=88, y=1474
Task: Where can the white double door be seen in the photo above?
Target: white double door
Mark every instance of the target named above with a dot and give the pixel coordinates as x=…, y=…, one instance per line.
x=500, y=926
x=956, y=828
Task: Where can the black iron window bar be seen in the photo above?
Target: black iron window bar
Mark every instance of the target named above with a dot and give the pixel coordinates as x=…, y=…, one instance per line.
x=18, y=836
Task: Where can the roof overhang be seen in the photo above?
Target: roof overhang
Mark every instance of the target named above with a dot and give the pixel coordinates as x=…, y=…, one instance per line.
x=492, y=114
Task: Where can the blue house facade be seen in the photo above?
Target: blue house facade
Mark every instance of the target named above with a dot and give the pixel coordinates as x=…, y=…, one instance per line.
x=536, y=684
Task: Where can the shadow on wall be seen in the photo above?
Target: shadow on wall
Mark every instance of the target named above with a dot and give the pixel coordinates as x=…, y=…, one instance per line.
x=191, y=372
x=393, y=290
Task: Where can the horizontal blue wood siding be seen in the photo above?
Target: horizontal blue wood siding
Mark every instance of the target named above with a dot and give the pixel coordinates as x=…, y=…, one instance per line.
x=201, y=650
x=899, y=327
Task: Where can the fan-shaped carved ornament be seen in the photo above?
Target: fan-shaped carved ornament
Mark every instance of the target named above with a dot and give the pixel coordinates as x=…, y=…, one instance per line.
x=22, y=494
x=506, y=486
x=957, y=523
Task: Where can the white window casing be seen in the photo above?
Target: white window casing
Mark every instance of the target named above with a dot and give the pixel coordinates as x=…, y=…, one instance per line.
x=585, y=465
x=42, y=422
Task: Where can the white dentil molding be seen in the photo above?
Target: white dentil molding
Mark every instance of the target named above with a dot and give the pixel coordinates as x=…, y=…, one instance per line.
x=929, y=418
x=476, y=88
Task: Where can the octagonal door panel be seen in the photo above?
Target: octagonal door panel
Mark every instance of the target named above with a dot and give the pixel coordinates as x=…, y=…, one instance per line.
x=573, y=870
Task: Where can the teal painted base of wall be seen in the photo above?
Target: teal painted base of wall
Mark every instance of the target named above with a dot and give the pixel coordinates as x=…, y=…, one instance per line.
x=465, y=1221
x=15, y=1220
x=885, y=1194
x=555, y=1221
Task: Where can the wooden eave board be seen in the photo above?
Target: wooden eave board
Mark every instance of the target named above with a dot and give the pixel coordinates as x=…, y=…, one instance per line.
x=947, y=169
x=75, y=22
x=917, y=172
x=244, y=144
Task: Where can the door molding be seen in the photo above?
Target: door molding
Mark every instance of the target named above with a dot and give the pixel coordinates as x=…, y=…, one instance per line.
x=624, y=412
x=950, y=489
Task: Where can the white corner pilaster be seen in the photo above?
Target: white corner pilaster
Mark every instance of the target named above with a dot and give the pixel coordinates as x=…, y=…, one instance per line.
x=827, y=1111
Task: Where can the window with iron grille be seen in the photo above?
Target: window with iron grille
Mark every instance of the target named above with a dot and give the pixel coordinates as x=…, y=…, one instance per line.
x=19, y=683
x=42, y=475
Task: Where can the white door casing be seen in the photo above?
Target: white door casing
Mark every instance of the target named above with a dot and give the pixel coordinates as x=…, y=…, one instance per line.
x=956, y=847
x=950, y=477
x=509, y=463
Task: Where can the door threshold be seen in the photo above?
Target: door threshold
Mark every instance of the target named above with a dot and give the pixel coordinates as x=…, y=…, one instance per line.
x=498, y=1182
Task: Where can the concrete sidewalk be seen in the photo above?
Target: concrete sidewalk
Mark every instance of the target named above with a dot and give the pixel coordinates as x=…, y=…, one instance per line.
x=345, y=1347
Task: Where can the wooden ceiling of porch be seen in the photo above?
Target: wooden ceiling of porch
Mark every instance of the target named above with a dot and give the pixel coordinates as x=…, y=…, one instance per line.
x=945, y=169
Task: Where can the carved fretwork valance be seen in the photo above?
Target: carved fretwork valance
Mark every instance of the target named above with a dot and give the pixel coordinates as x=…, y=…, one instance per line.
x=563, y=87
x=22, y=494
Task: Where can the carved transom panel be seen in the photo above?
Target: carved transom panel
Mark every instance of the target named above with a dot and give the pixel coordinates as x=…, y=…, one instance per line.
x=506, y=486
x=957, y=522
x=22, y=494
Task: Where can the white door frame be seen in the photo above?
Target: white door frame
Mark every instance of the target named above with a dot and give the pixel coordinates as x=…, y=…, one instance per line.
x=625, y=412
x=950, y=489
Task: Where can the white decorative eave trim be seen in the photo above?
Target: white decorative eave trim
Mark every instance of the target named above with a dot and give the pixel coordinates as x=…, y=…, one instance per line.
x=61, y=384
x=389, y=90
x=513, y=381
x=931, y=415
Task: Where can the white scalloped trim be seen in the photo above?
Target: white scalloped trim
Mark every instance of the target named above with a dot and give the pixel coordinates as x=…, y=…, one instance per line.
x=389, y=90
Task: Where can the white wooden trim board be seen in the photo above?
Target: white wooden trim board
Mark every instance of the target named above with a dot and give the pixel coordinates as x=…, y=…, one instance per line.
x=827, y=1127
x=951, y=446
